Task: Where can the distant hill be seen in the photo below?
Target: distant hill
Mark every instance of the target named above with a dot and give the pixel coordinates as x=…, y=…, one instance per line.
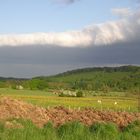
x=99, y=78
x=123, y=78
x=128, y=68
x=11, y=78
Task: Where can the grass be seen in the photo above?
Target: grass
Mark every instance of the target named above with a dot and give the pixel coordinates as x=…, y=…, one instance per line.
x=45, y=99
x=12, y=92
x=70, y=131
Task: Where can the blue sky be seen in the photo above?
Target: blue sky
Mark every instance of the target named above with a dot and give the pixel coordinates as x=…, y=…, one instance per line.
x=25, y=16
x=45, y=37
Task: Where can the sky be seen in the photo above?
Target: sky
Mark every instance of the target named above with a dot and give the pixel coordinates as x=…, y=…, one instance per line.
x=45, y=37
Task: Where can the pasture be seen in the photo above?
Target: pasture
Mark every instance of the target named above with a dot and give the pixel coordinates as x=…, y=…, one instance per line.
x=48, y=99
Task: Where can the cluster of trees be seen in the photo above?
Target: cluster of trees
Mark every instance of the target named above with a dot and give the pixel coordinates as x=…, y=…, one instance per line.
x=35, y=84
x=112, y=85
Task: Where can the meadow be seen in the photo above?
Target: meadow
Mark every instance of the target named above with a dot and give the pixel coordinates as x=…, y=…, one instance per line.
x=48, y=99
x=26, y=130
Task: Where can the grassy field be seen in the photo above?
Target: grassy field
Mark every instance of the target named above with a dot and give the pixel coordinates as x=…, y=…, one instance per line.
x=13, y=129
x=70, y=131
x=47, y=99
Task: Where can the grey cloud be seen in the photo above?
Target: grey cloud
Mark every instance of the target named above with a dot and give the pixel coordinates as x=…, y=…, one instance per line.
x=29, y=61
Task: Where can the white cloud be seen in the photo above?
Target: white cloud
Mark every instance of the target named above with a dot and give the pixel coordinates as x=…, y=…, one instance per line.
x=123, y=30
x=122, y=12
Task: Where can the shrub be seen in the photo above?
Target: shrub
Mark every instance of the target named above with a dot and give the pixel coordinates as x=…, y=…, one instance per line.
x=79, y=94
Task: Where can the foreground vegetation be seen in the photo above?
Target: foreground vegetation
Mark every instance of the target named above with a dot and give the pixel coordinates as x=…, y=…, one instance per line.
x=26, y=130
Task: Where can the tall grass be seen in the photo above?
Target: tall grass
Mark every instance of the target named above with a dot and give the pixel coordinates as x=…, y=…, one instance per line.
x=104, y=131
x=70, y=131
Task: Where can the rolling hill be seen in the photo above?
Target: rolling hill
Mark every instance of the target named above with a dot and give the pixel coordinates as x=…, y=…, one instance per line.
x=123, y=78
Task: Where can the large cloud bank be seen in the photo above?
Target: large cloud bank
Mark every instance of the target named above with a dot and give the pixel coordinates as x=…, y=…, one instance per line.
x=123, y=30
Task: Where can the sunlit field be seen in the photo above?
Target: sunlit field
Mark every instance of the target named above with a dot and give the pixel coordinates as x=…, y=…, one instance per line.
x=48, y=99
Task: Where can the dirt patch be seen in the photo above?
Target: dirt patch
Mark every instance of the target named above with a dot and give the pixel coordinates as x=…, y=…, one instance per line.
x=89, y=116
x=12, y=108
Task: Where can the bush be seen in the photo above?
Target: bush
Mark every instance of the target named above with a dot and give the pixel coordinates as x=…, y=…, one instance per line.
x=79, y=94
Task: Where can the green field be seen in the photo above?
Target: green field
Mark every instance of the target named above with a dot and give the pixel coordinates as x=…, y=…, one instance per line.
x=69, y=131
x=48, y=99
